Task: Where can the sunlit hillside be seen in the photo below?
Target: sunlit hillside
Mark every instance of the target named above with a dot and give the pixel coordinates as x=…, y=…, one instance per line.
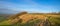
x=29, y=19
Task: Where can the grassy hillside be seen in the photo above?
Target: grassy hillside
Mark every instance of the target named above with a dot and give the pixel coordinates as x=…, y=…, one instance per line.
x=24, y=19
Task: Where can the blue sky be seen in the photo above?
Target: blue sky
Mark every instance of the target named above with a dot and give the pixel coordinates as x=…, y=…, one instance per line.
x=32, y=6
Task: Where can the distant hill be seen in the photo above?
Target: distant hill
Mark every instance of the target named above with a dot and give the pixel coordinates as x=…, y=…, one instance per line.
x=5, y=15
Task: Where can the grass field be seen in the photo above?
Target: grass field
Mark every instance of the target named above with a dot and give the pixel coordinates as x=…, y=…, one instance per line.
x=55, y=21
x=30, y=20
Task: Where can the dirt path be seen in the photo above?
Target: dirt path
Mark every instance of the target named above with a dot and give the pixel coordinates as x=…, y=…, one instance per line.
x=45, y=22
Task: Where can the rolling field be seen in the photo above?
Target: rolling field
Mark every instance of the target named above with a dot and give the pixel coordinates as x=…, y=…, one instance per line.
x=32, y=20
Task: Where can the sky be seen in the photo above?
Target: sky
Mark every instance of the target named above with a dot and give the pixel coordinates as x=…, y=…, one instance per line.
x=31, y=6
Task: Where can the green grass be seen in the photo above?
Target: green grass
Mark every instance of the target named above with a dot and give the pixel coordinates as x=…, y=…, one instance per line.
x=55, y=21
x=29, y=23
x=1, y=18
x=3, y=21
